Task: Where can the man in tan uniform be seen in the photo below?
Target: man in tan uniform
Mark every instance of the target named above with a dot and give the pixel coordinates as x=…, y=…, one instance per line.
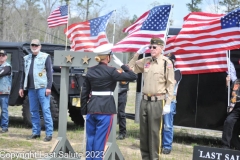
x=158, y=81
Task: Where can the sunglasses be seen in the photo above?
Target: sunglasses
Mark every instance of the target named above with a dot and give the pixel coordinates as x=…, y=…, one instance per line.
x=35, y=45
x=2, y=55
x=152, y=47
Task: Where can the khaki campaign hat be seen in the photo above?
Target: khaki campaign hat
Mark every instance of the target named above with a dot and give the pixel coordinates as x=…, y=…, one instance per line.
x=156, y=40
x=104, y=49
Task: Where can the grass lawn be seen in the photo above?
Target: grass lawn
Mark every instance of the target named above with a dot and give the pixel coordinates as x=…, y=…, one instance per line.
x=15, y=141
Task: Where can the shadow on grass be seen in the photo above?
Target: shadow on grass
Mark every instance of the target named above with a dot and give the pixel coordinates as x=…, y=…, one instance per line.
x=133, y=131
x=17, y=122
x=190, y=139
x=184, y=138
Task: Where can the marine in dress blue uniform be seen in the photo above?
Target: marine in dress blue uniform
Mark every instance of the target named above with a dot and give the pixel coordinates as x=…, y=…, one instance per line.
x=97, y=98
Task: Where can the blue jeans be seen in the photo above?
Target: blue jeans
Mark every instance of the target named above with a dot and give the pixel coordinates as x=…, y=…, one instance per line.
x=168, y=127
x=4, y=111
x=37, y=98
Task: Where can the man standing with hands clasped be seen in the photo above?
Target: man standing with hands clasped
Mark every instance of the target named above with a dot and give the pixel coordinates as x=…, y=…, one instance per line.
x=38, y=81
x=158, y=81
x=5, y=88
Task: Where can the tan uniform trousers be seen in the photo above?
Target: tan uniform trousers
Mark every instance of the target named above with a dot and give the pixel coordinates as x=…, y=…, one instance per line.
x=151, y=129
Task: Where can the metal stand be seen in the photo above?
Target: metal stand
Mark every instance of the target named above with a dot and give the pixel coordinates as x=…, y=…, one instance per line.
x=62, y=149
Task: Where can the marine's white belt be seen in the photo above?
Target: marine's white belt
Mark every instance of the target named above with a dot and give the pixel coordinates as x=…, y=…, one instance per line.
x=103, y=93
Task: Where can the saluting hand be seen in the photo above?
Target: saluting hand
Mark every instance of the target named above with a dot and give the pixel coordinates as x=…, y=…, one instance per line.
x=117, y=61
x=143, y=49
x=48, y=92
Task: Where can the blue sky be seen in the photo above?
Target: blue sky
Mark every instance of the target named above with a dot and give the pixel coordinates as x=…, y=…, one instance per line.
x=138, y=7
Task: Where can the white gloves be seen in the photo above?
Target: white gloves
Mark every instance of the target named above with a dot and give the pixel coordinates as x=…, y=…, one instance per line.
x=166, y=109
x=117, y=61
x=143, y=49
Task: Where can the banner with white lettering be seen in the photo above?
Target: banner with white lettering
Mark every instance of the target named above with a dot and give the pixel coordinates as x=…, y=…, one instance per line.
x=201, y=153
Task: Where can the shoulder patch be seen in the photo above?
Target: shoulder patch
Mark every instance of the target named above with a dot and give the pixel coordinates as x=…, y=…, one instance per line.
x=123, y=82
x=169, y=65
x=119, y=71
x=147, y=65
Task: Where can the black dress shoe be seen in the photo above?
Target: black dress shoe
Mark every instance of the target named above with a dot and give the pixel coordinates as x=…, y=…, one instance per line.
x=4, y=130
x=47, y=138
x=33, y=136
x=120, y=137
x=166, y=151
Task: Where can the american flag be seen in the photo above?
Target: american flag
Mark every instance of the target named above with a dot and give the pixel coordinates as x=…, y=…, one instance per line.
x=58, y=17
x=85, y=36
x=201, y=45
x=197, y=62
x=152, y=23
x=206, y=32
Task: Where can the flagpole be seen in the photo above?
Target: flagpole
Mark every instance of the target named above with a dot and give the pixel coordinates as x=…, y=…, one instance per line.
x=168, y=25
x=67, y=26
x=114, y=25
x=229, y=73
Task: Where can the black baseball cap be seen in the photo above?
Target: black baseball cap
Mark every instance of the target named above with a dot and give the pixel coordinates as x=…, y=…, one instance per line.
x=35, y=42
x=3, y=52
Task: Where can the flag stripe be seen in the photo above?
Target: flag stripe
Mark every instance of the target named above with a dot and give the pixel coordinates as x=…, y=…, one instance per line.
x=152, y=23
x=202, y=70
x=86, y=36
x=201, y=45
x=208, y=34
x=93, y=42
x=138, y=23
x=193, y=58
x=58, y=17
x=199, y=61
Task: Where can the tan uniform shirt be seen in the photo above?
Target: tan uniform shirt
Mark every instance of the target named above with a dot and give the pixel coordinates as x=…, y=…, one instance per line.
x=155, y=81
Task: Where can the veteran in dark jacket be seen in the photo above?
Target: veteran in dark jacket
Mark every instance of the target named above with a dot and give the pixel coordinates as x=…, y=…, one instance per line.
x=97, y=97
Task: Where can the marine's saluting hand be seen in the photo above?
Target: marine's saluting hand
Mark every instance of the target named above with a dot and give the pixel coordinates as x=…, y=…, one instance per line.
x=117, y=61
